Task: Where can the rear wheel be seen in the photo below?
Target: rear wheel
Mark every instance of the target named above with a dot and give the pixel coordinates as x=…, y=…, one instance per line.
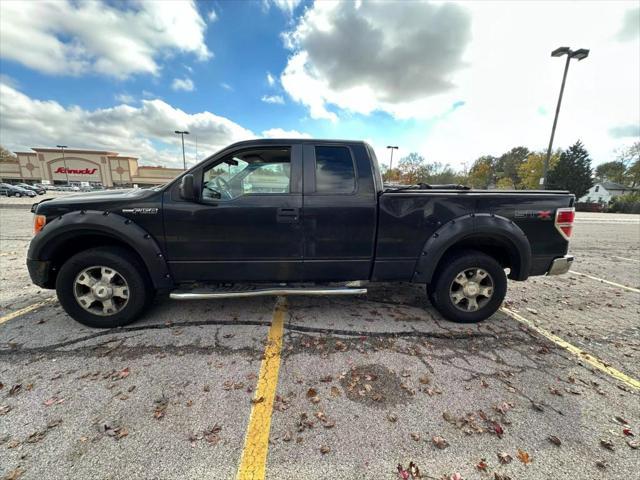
x=104, y=287
x=17, y=194
x=469, y=288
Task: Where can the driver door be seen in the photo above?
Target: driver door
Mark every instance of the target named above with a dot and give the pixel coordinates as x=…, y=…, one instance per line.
x=246, y=225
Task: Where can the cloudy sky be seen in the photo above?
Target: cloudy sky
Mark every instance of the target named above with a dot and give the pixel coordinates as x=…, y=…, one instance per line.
x=452, y=81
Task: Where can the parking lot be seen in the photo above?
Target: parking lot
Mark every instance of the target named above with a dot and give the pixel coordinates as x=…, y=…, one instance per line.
x=331, y=387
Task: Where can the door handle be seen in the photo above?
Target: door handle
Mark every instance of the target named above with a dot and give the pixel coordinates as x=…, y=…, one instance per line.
x=288, y=215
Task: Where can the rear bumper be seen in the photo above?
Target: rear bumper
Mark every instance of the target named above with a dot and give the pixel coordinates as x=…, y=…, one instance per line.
x=560, y=265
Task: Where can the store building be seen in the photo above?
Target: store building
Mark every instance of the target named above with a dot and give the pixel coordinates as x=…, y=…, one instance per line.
x=82, y=167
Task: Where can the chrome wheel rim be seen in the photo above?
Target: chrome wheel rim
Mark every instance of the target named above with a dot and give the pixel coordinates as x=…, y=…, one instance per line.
x=101, y=290
x=471, y=289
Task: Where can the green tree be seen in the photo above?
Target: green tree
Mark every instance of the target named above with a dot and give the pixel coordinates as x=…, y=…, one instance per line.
x=630, y=157
x=573, y=171
x=508, y=164
x=411, y=167
x=530, y=171
x=482, y=173
x=614, y=171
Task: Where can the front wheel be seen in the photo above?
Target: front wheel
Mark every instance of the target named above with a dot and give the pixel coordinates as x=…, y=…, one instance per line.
x=104, y=287
x=469, y=288
x=17, y=194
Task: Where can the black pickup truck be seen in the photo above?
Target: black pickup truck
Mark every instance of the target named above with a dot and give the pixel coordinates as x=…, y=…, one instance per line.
x=287, y=217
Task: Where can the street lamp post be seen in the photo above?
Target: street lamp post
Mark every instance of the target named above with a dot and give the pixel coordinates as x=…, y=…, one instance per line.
x=182, y=133
x=580, y=54
x=64, y=162
x=392, y=148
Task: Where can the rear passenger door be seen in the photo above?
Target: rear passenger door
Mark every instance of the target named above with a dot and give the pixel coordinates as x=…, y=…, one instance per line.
x=339, y=212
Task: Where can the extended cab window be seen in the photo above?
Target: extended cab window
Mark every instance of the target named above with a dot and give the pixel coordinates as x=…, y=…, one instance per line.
x=334, y=170
x=264, y=171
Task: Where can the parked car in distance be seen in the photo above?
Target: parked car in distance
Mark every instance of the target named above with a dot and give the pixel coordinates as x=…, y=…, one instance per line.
x=15, y=191
x=293, y=217
x=34, y=188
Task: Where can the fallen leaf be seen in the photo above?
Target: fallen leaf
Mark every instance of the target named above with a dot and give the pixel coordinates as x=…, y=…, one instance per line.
x=16, y=389
x=537, y=407
x=482, y=465
x=402, y=473
x=335, y=391
x=392, y=417
x=439, y=442
x=4, y=409
x=504, y=458
x=601, y=464
x=500, y=476
x=455, y=476
x=606, y=443
x=621, y=420
x=312, y=393
x=14, y=474
x=524, y=457
x=633, y=444
x=414, y=471
x=498, y=429
x=555, y=440
x=124, y=373
x=324, y=450
x=627, y=432
x=255, y=401
x=415, y=436
x=287, y=436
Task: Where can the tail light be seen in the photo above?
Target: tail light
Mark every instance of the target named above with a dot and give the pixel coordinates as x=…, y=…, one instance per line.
x=38, y=223
x=564, y=221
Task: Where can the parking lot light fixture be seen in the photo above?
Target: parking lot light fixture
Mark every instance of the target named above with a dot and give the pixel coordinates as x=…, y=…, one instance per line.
x=182, y=133
x=392, y=148
x=579, y=54
x=64, y=162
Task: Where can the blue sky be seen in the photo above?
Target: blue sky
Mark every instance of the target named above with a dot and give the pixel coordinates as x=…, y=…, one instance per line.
x=452, y=81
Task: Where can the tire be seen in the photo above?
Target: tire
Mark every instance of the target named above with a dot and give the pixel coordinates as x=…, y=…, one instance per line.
x=17, y=194
x=95, y=267
x=479, y=298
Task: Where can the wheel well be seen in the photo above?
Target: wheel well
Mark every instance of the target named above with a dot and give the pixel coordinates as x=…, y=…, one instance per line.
x=64, y=250
x=500, y=249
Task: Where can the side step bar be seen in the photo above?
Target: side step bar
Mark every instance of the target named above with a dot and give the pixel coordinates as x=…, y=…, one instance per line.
x=261, y=292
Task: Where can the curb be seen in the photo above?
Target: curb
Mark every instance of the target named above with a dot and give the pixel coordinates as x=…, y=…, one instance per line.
x=16, y=205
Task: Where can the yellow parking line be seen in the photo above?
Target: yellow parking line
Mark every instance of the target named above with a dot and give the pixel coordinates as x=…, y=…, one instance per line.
x=24, y=310
x=256, y=444
x=606, y=281
x=590, y=359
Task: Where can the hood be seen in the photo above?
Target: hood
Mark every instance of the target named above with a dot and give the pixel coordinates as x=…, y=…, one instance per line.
x=100, y=200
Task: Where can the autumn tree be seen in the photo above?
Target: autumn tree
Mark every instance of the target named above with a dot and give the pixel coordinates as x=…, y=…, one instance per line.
x=410, y=167
x=630, y=158
x=6, y=155
x=531, y=170
x=507, y=167
x=573, y=171
x=483, y=172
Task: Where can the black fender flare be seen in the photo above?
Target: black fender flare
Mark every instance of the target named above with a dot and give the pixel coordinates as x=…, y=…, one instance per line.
x=486, y=225
x=71, y=226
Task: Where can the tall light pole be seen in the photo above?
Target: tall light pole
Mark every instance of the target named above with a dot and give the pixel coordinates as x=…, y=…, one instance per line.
x=64, y=162
x=580, y=54
x=392, y=148
x=182, y=133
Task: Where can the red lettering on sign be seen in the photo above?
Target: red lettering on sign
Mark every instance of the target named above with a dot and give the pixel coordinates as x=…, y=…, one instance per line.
x=84, y=171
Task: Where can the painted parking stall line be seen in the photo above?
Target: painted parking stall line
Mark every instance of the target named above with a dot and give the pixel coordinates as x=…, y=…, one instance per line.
x=631, y=289
x=25, y=310
x=587, y=357
x=256, y=445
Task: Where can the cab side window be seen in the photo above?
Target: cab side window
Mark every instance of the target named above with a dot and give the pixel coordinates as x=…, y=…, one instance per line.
x=252, y=172
x=335, y=172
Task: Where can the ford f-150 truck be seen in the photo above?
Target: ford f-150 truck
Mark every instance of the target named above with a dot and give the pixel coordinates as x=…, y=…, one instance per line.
x=287, y=217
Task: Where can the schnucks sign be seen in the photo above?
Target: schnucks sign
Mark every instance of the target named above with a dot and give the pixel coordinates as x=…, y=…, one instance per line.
x=84, y=171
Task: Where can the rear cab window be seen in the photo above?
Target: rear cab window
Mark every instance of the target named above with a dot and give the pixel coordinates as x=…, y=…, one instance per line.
x=335, y=172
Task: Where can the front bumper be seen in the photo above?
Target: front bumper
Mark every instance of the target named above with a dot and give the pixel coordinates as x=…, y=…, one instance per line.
x=560, y=265
x=39, y=271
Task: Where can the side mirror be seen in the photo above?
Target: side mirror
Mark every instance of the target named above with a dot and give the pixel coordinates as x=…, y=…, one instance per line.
x=187, y=189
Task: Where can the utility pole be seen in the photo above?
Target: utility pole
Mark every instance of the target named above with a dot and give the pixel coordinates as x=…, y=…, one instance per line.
x=64, y=161
x=182, y=133
x=580, y=54
x=392, y=148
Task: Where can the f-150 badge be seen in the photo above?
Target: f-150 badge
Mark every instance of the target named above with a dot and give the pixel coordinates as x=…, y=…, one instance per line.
x=534, y=214
x=140, y=211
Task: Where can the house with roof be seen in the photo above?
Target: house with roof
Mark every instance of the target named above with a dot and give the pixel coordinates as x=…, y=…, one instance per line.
x=604, y=192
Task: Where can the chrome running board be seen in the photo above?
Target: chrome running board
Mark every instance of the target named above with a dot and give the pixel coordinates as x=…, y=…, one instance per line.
x=261, y=292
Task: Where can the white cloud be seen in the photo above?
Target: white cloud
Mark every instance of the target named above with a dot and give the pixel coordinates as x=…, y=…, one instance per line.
x=145, y=131
x=212, y=16
x=226, y=86
x=124, y=98
x=270, y=79
x=73, y=38
x=277, y=99
x=374, y=56
x=281, y=133
x=185, y=84
x=287, y=6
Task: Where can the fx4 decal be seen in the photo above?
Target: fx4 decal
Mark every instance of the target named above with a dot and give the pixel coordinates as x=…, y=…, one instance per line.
x=534, y=214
